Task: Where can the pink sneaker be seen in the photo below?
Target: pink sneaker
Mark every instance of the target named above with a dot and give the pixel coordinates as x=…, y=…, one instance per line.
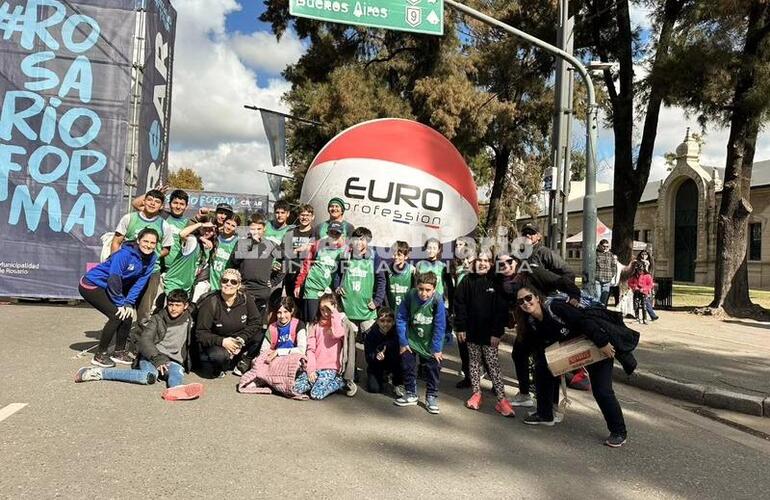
x=474, y=403
x=183, y=392
x=504, y=408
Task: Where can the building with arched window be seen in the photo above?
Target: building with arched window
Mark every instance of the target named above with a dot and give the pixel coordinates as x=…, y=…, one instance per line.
x=677, y=220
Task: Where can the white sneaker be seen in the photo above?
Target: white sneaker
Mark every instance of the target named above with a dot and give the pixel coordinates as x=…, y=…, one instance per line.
x=557, y=416
x=524, y=400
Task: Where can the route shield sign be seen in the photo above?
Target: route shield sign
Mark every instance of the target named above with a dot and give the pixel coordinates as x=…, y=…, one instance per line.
x=416, y=16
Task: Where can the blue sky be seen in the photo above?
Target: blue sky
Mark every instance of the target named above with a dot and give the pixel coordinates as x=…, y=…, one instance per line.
x=225, y=58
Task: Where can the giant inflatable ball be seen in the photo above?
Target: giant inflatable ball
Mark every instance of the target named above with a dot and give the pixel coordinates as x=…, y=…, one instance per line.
x=399, y=178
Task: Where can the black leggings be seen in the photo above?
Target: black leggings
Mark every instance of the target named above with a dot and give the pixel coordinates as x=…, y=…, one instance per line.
x=520, y=355
x=98, y=298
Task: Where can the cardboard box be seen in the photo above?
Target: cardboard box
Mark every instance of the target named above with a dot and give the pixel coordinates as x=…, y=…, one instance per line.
x=563, y=357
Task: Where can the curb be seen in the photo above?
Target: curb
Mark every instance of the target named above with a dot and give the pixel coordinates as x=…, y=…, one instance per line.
x=696, y=393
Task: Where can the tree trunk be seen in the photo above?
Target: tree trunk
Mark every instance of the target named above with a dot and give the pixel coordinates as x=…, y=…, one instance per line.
x=502, y=160
x=626, y=193
x=731, y=290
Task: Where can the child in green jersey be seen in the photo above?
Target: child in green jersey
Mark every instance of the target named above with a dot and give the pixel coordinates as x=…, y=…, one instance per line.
x=420, y=325
x=198, y=241
x=318, y=269
x=361, y=282
x=227, y=241
x=400, y=275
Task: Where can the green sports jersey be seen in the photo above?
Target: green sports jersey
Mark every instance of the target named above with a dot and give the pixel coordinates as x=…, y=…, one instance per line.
x=436, y=267
x=358, y=283
x=225, y=248
x=276, y=235
x=420, y=330
x=399, y=285
x=177, y=223
x=319, y=278
x=135, y=226
x=181, y=273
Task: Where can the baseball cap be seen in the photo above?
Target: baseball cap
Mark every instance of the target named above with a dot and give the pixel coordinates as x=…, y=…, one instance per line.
x=334, y=227
x=529, y=228
x=224, y=207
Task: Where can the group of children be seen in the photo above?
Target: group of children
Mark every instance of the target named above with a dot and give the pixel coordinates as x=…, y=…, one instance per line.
x=310, y=286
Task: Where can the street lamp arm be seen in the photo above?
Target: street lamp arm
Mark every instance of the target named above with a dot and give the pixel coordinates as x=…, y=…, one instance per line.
x=589, y=200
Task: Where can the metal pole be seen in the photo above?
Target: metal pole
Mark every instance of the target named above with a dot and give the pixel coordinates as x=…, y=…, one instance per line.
x=567, y=163
x=589, y=200
x=559, y=136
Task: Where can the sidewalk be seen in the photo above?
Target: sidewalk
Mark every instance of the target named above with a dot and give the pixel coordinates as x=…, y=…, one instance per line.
x=722, y=364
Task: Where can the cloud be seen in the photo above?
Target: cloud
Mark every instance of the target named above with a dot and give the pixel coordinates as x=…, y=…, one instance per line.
x=229, y=167
x=641, y=16
x=215, y=75
x=262, y=52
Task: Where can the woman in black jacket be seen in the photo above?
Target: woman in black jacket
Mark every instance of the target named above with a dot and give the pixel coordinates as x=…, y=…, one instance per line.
x=228, y=327
x=545, y=323
x=512, y=274
x=480, y=317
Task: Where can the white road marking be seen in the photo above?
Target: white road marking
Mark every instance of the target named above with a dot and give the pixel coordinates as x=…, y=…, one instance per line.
x=10, y=410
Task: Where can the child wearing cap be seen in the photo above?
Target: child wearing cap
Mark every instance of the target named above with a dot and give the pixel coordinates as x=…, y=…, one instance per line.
x=336, y=210
x=318, y=270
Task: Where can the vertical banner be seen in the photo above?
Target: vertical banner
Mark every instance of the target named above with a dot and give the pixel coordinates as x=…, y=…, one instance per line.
x=65, y=79
x=155, y=110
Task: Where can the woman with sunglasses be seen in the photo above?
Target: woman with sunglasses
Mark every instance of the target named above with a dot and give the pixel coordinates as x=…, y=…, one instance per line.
x=480, y=317
x=228, y=327
x=548, y=322
x=512, y=274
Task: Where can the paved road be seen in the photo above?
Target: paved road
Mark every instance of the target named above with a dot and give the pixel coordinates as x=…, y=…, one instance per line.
x=116, y=440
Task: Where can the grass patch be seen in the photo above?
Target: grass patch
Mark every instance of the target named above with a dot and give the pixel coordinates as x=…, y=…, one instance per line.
x=687, y=295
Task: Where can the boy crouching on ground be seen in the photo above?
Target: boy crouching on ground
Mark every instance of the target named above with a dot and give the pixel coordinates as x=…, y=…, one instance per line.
x=421, y=323
x=163, y=353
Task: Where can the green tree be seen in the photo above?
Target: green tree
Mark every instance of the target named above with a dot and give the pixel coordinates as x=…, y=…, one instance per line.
x=185, y=178
x=483, y=90
x=726, y=47
x=604, y=31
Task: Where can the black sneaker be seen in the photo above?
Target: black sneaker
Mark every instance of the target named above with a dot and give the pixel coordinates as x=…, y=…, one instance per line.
x=463, y=384
x=615, y=440
x=242, y=367
x=535, y=419
x=103, y=359
x=121, y=357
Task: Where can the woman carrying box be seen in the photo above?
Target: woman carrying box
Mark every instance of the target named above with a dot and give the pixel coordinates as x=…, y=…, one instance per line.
x=547, y=322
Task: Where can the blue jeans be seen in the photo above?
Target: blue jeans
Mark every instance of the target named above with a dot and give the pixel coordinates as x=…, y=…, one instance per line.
x=409, y=368
x=648, y=306
x=174, y=375
x=328, y=382
x=602, y=292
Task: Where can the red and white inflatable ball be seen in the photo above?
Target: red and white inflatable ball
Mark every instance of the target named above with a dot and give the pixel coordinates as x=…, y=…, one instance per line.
x=399, y=178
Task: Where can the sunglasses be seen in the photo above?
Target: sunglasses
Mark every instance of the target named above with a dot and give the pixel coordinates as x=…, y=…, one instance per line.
x=507, y=262
x=227, y=281
x=525, y=299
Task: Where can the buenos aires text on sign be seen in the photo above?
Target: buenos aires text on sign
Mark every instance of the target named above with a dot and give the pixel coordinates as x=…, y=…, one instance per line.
x=417, y=16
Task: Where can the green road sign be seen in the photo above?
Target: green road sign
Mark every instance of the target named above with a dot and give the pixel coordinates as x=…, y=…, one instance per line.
x=416, y=16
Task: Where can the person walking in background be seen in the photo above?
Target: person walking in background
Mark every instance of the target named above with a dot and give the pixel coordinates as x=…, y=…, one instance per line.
x=606, y=268
x=645, y=259
x=114, y=288
x=640, y=284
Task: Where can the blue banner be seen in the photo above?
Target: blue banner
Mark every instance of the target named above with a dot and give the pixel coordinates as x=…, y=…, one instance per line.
x=65, y=79
x=155, y=110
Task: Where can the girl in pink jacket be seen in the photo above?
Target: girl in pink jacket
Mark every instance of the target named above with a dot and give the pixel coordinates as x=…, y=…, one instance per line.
x=327, y=342
x=641, y=284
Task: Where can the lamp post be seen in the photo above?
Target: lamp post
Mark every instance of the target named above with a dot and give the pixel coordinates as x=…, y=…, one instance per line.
x=589, y=200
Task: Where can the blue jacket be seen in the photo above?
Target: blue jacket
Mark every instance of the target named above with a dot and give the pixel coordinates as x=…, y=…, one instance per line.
x=124, y=274
x=439, y=320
